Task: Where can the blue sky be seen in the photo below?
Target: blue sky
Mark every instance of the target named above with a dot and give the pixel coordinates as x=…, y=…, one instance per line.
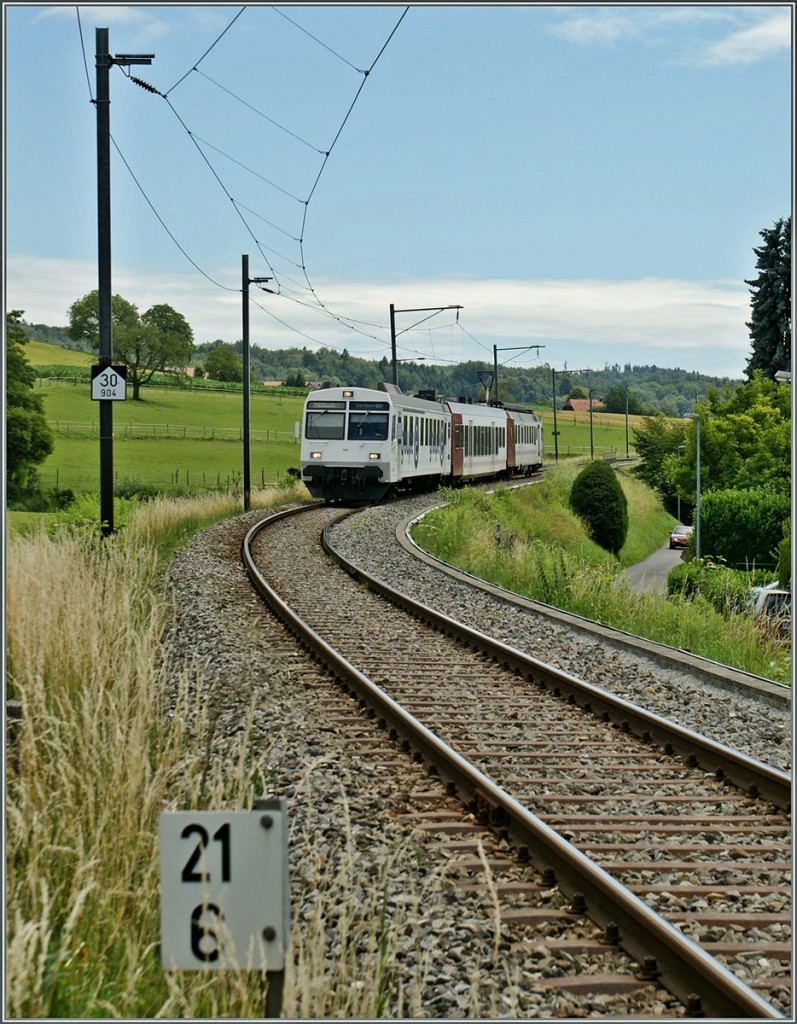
x=588, y=179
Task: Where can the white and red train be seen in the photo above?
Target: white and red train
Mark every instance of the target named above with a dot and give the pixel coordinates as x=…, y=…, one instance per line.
x=362, y=445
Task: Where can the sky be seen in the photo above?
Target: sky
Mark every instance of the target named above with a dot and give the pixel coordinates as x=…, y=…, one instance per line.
x=587, y=183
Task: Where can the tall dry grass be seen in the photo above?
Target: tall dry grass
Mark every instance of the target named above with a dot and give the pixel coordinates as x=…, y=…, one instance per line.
x=105, y=744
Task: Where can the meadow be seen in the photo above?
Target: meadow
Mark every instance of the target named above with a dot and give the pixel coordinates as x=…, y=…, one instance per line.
x=182, y=439
x=176, y=439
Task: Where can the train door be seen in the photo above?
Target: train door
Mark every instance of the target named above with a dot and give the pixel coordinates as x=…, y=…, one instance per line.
x=511, y=457
x=457, y=445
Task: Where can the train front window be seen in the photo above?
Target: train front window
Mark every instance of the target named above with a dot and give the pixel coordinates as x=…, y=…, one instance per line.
x=368, y=421
x=368, y=426
x=325, y=421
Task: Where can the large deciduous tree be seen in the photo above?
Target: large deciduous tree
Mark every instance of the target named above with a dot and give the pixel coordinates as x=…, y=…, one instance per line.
x=158, y=341
x=770, y=304
x=29, y=439
x=224, y=364
x=745, y=440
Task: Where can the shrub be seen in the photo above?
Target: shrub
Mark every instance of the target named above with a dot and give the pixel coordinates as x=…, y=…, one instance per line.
x=684, y=579
x=598, y=500
x=744, y=526
x=132, y=488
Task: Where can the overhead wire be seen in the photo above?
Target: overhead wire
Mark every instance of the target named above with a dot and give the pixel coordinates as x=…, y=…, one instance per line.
x=199, y=142
x=212, y=45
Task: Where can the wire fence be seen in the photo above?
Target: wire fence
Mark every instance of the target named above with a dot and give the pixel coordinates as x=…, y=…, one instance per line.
x=172, y=431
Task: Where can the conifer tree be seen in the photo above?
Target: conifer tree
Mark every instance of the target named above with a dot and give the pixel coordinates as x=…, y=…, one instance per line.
x=770, y=325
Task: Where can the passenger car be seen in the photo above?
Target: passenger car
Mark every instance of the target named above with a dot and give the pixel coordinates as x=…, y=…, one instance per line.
x=681, y=536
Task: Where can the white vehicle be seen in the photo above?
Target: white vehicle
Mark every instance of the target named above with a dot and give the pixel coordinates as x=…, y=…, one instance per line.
x=773, y=602
x=359, y=444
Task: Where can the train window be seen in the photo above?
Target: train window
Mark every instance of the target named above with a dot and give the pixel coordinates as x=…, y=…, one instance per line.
x=368, y=426
x=324, y=424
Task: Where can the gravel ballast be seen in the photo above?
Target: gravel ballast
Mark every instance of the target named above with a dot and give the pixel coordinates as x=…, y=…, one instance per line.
x=348, y=823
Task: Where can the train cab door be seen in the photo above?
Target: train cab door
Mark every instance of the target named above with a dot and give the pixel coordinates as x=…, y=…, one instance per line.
x=457, y=445
x=511, y=456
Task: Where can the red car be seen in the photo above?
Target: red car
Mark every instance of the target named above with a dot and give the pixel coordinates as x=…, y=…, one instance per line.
x=680, y=536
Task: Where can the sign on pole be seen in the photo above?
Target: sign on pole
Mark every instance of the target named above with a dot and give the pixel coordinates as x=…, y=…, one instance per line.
x=225, y=902
x=108, y=383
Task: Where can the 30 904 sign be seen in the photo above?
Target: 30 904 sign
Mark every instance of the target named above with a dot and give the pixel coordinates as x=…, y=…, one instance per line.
x=108, y=383
x=224, y=888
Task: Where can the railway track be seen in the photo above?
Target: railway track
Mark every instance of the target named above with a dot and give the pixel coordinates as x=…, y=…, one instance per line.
x=669, y=844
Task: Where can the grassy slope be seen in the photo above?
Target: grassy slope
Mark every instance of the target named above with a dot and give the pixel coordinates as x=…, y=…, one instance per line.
x=545, y=554
x=39, y=353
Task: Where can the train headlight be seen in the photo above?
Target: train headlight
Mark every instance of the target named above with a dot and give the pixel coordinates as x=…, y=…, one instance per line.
x=374, y=455
x=315, y=455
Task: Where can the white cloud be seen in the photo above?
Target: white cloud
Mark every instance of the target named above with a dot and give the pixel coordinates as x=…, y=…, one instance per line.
x=741, y=35
x=695, y=325
x=601, y=27
x=768, y=38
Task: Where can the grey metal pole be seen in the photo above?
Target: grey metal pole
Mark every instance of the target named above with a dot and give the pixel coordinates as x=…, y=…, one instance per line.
x=103, y=103
x=393, y=343
x=591, y=442
x=246, y=433
x=697, y=505
x=555, y=431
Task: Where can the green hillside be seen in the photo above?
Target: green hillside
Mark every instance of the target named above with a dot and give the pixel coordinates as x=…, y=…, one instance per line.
x=40, y=353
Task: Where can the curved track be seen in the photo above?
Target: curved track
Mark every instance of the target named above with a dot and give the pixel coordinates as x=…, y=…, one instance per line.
x=619, y=806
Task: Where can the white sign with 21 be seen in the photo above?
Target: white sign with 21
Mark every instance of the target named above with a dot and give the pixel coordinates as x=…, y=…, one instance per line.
x=224, y=888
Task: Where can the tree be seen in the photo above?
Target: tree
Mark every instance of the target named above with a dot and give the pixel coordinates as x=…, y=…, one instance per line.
x=658, y=441
x=159, y=341
x=223, y=363
x=770, y=325
x=745, y=440
x=599, y=501
x=619, y=399
x=29, y=439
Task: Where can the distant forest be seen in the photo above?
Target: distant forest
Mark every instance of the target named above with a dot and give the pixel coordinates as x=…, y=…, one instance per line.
x=650, y=389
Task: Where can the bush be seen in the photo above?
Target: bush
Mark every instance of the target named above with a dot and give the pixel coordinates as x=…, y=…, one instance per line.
x=744, y=526
x=684, y=579
x=726, y=590
x=53, y=499
x=598, y=500
x=132, y=488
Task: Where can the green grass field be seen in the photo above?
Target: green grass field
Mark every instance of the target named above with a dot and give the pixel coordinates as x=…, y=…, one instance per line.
x=178, y=438
x=39, y=353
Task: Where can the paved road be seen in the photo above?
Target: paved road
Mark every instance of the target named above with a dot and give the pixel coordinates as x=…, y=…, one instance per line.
x=651, y=575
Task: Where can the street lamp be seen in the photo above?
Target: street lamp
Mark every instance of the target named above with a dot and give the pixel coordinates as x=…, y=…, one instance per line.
x=696, y=417
x=433, y=310
x=246, y=280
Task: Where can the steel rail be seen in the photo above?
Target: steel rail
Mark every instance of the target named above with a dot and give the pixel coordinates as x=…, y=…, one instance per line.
x=668, y=956
x=757, y=779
